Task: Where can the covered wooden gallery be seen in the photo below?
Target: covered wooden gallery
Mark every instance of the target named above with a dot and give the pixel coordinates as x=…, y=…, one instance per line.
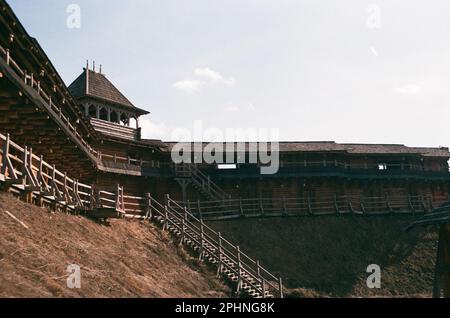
x=440, y=217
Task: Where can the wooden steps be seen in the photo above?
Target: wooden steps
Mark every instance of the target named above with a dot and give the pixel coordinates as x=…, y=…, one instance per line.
x=228, y=268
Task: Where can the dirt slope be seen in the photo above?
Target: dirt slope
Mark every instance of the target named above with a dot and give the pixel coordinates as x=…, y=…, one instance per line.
x=125, y=259
x=328, y=256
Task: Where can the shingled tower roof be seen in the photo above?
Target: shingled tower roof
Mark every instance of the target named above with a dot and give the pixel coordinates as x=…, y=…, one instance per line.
x=95, y=85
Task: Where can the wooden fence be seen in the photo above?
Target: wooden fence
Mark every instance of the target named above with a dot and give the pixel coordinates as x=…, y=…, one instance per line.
x=29, y=176
x=248, y=275
x=200, y=181
x=306, y=206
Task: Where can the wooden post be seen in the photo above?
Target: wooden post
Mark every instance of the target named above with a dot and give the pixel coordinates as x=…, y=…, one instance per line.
x=66, y=194
x=363, y=209
x=148, y=202
x=239, y=270
x=5, y=155
x=209, y=184
x=261, y=280
x=65, y=186
x=388, y=203
x=219, y=250
x=241, y=208
x=25, y=164
x=54, y=190
x=310, y=210
x=199, y=210
x=123, y=198
x=75, y=189
x=261, y=208
x=117, y=197
x=202, y=238
x=350, y=206
x=184, y=223
x=336, y=207
x=41, y=181
x=280, y=286
x=285, y=212
x=424, y=206
x=168, y=200
x=411, y=206
x=166, y=218
x=92, y=197
x=25, y=176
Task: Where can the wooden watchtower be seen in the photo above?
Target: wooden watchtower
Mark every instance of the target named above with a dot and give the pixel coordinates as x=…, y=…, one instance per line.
x=108, y=110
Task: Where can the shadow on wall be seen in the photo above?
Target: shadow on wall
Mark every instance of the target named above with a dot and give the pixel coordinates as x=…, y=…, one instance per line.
x=329, y=255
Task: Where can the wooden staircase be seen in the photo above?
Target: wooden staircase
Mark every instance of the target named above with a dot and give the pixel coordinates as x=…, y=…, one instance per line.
x=248, y=277
x=36, y=181
x=200, y=181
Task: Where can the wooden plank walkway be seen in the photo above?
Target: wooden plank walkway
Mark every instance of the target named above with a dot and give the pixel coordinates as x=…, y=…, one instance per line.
x=36, y=181
x=306, y=207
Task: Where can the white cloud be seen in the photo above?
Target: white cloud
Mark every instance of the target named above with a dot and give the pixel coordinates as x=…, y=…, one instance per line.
x=409, y=89
x=213, y=76
x=189, y=86
x=207, y=76
x=208, y=73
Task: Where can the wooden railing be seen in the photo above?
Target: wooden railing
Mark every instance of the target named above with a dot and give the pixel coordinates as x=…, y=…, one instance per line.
x=23, y=171
x=114, y=129
x=306, y=206
x=28, y=175
x=34, y=82
x=30, y=80
x=201, y=181
x=250, y=277
x=111, y=200
x=348, y=165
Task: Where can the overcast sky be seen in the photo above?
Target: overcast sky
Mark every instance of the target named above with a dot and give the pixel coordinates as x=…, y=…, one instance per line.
x=349, y=71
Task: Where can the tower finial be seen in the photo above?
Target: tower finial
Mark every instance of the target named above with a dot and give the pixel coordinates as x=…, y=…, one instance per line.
x=87, y=65
x=94, y=66
x=100, y=69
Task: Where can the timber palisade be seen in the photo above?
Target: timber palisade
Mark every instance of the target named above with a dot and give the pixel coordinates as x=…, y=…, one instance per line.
x=79, y=149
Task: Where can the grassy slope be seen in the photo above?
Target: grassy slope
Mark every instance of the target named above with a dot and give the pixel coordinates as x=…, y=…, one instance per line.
x=125, y=259
x=328, y=256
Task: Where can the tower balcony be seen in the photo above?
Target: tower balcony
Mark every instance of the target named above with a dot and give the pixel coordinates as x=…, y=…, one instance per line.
x=115, y=130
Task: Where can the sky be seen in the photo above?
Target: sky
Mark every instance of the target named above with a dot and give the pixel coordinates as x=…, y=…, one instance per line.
x=350, y=71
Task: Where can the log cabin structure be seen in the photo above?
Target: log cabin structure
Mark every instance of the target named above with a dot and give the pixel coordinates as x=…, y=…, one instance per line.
x=86, y=129
x=75, y=149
